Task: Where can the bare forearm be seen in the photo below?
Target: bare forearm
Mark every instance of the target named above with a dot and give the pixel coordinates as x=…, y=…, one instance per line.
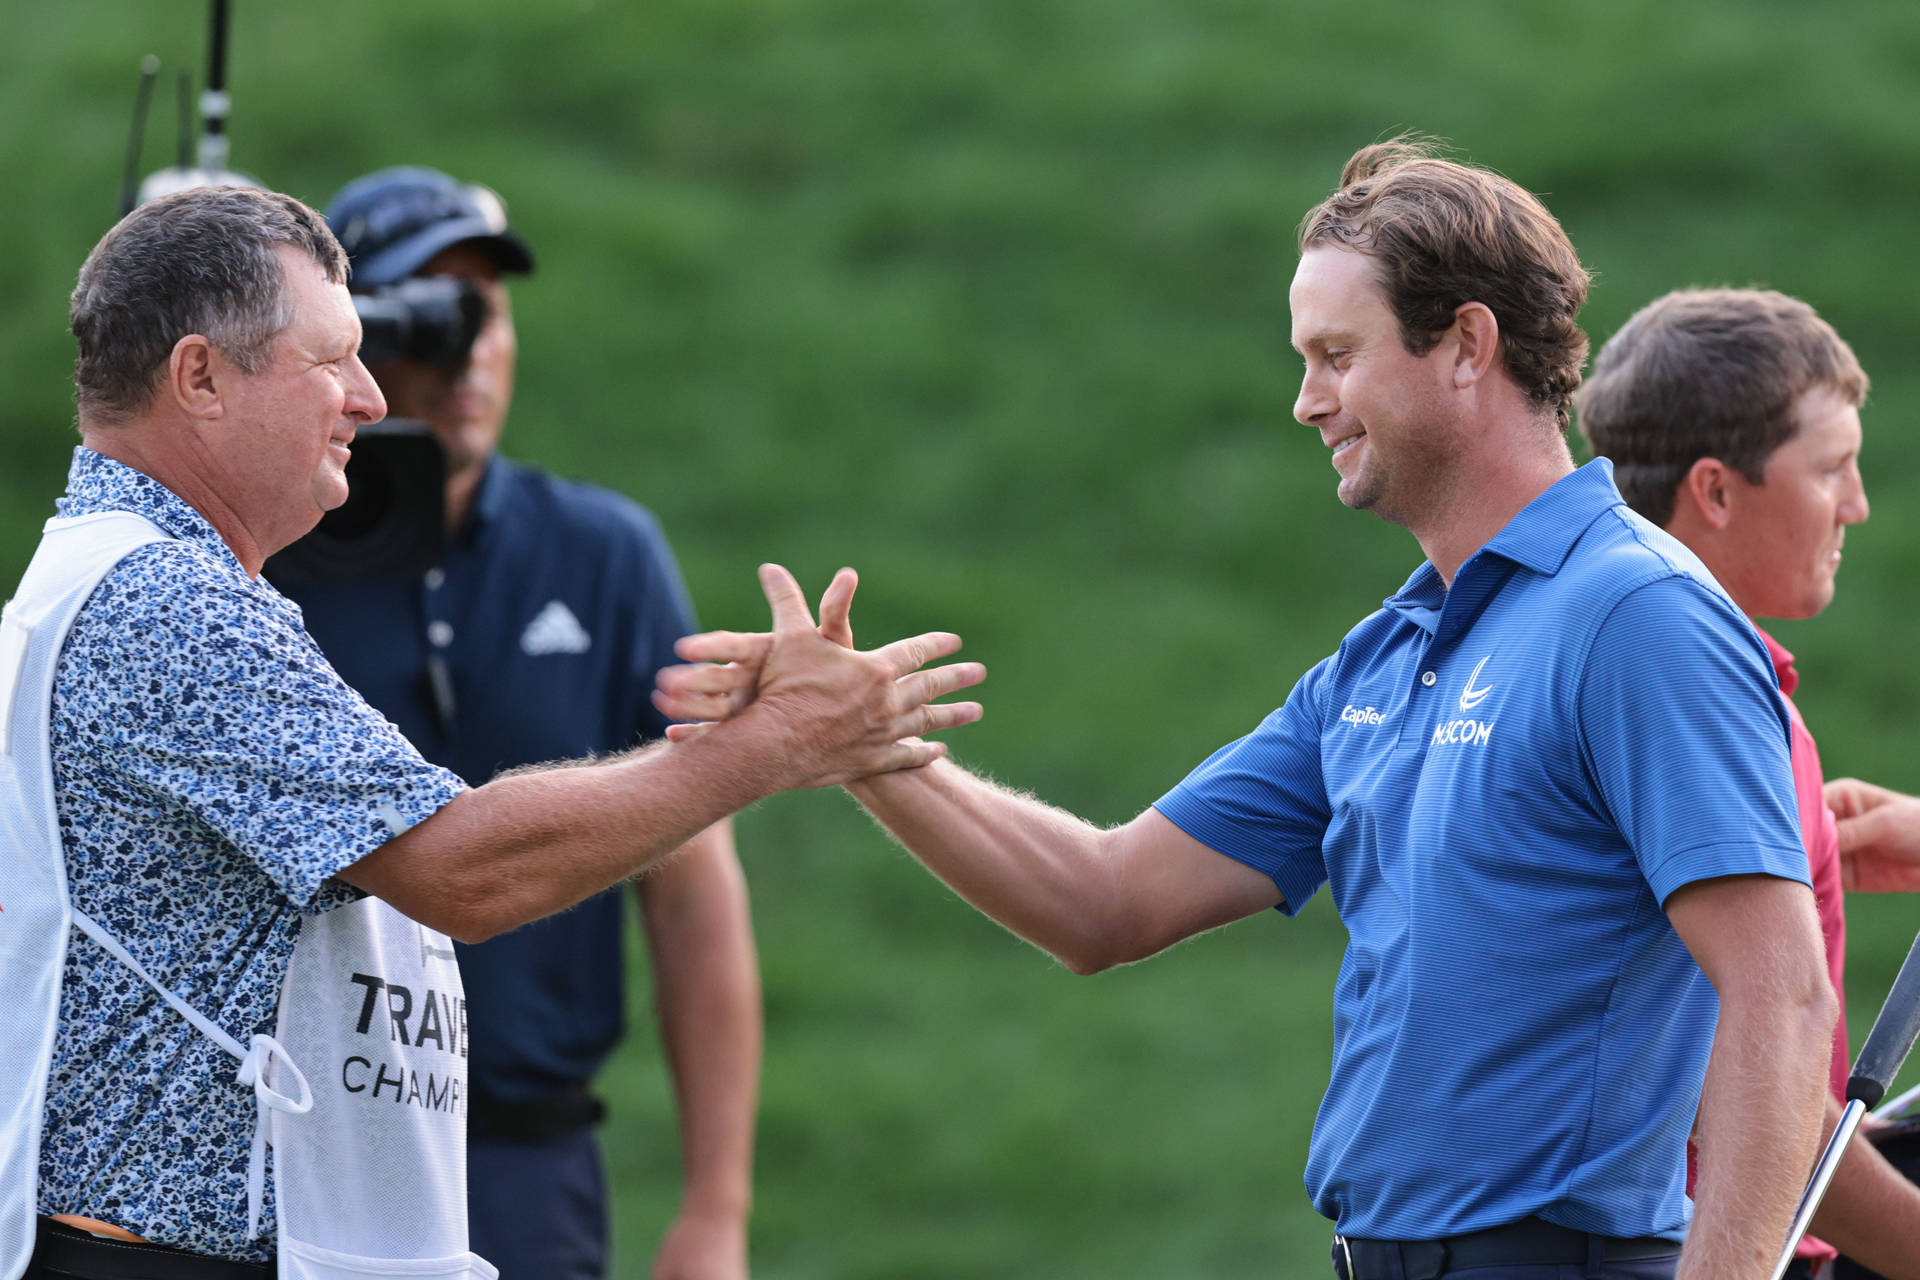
x=529, y=844
x=1760, y=1125
x=707, y=995
x=1043, y=873
x=1871, y=1212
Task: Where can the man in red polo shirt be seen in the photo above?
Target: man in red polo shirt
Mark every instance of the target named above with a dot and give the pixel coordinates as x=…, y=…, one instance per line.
x=1732, y=417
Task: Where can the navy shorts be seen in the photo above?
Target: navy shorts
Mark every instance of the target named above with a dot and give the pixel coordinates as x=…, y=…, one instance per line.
x=538, y=1210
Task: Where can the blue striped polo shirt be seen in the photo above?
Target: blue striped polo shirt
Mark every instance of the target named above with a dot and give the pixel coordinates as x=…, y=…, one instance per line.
x=1502, y=783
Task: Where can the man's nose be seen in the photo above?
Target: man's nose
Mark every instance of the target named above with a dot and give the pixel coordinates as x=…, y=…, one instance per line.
x=1314, y=403
x=365, y=403
x=1854, y=509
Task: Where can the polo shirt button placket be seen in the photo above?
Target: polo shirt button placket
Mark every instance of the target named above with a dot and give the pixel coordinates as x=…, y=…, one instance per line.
x=1428, y=678
x=439, y=675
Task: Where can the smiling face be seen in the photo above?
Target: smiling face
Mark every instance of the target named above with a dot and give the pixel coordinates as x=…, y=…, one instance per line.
x=283, y=443
x=1782, y=543
x=1382, y=410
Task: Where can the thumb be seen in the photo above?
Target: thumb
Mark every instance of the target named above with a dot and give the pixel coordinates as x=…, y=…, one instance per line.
x=836, y=608
x=784, y=597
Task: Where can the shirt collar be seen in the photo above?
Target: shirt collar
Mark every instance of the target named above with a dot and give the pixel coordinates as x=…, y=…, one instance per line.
x=1540, y=538
x=490, y=497
x=1782, y=664
x=1543, y=535
x=97, y=483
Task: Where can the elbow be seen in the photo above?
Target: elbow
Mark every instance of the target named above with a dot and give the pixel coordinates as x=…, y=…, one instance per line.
x=1099, y=946
x=1802, y=1009
x=1824, y=1010
x=1086, y=963
x=471, y=913
x=1816, y=1002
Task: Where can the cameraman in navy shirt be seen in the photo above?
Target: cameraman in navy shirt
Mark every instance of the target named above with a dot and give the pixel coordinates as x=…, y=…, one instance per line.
x=537, y=639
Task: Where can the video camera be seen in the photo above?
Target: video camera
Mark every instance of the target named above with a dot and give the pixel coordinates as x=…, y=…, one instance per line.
x=393, y=523
x=431, y=319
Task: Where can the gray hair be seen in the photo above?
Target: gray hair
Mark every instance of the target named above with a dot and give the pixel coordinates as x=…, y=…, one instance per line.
x=200, y=261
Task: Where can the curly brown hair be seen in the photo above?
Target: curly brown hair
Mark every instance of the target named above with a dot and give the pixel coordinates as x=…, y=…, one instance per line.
x=1445, y=234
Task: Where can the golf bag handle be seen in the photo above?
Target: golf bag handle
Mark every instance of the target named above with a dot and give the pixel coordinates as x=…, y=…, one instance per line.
x=1894, y=1030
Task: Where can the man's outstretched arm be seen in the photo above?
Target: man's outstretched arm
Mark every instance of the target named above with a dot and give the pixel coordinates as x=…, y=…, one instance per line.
x=1757, y=938
x=1092, y=898
x=1088, y=896
x=532, y=843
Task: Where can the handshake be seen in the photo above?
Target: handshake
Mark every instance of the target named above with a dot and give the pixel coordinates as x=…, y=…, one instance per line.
x=823, y=712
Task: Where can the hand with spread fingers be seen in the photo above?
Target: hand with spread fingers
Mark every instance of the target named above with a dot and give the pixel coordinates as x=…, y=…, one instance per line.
x=843, y=714
x=1879, y=833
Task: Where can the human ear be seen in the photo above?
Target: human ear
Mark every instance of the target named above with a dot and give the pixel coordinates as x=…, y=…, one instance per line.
x=192, y=377
x=1707, y=489
x=1477, y=334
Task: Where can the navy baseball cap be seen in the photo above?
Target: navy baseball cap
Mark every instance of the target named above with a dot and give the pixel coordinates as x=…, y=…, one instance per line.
x=392, y=221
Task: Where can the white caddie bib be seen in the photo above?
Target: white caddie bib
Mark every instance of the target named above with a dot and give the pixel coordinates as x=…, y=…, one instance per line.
x=370, y=1158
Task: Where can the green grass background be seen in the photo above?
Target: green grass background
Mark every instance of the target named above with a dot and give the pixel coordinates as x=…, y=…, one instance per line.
x=989, y=299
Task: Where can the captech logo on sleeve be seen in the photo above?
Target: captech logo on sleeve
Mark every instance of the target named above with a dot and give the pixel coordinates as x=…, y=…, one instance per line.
x=1362, y=715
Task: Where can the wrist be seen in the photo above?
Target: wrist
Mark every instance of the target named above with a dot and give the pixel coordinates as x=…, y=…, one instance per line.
x=720, y=1202
x=753, y=755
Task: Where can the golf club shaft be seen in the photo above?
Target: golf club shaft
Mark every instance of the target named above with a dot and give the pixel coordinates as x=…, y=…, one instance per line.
x=1817, y=1187
x=1895, y=1028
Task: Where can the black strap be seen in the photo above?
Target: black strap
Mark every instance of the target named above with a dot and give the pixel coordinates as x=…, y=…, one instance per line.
x=493, y=1119
x=1529, y=1242
x=61, y=1252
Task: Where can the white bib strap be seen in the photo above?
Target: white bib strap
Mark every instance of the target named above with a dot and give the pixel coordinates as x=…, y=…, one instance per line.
x=15, y=635
x=263, y=1051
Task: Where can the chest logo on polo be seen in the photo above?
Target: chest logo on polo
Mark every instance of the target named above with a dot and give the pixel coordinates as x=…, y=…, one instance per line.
x=1364, y=716
x=1467, y=732
x=554, y=630
x=1471, y=697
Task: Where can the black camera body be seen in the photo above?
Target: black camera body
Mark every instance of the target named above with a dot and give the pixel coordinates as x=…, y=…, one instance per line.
x=393, y=523
x=431, y=319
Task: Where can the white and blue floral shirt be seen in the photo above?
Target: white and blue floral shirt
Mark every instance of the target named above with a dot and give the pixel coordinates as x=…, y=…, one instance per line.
x=212, y=775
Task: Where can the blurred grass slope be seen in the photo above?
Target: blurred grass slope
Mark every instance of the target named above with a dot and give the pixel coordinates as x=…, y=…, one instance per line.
x=990, y=301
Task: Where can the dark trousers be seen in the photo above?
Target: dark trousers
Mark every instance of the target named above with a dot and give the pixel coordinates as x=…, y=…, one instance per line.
x=538, y=1210
x=1646, y=1269
x=62, y=1253
x=1529, y=1249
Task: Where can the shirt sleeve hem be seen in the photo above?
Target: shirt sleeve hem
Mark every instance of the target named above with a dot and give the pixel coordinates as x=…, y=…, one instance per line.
x=1726, y=858
x=375, y=830
x=1205, y=824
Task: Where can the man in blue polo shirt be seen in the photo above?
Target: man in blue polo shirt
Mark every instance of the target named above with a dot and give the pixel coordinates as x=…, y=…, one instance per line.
x=1547, y=785
x=537, y=639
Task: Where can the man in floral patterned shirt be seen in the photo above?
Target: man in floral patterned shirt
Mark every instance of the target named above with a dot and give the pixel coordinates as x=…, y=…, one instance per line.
x=216, y=783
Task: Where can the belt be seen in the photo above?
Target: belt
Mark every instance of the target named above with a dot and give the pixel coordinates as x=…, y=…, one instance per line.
x=61, y=1252
x=494, y=1119
x=1529, y=1242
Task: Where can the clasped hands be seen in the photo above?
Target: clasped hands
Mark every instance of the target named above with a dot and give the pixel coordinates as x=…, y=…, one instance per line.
x=836, y=714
